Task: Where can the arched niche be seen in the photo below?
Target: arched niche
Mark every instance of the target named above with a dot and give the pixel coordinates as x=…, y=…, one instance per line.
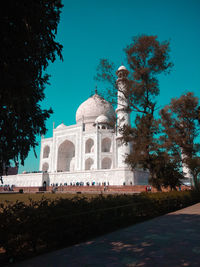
x=46, y=152
x=89, y=164
x=66, y=154
x=106, y=145
x=106, y=163
x=45, y=167
x=89, y=146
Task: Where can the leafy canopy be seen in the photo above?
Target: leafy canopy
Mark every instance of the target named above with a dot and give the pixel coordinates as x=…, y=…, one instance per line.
x=28, y=32
x=180, y=132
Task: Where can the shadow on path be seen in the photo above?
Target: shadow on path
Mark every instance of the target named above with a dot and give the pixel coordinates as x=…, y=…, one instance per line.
x=169, y=240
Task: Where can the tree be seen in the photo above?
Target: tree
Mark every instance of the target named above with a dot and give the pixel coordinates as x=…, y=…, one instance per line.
x=194, y=167
x=199, y=114
x=28, y=30
x=181, y=129
x=166, y=172
x=146, y=57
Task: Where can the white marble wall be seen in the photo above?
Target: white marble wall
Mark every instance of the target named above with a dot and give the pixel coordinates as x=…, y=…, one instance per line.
x=28, y=179
x=112, y=176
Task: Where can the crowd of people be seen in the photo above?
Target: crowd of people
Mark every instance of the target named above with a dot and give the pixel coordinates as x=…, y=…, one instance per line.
x=81, y=184
x=7, y=187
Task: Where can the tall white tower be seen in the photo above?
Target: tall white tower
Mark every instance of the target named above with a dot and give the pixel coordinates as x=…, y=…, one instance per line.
x=186, y=172
x=123, y=114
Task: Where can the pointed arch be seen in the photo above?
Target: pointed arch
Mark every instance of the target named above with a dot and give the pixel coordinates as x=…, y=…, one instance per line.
x=106, y=145
x=89, y=164
x=45, y=167
x=66, y=154
x=106, y=163
x=89, y=146
x=46, y=151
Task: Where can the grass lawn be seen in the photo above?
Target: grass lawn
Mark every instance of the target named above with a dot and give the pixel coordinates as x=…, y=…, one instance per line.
x=27, y=196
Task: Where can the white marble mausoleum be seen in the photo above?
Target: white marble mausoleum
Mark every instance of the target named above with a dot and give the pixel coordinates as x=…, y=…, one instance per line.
x=89, y=151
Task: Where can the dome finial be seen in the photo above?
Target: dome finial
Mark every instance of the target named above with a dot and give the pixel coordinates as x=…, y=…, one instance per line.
x=96, y=90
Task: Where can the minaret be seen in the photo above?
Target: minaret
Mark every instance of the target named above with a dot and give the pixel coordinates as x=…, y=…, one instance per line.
x=186, y=172
x=123, y=114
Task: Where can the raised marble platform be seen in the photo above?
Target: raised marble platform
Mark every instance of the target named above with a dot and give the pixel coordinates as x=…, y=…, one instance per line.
x=111, y=177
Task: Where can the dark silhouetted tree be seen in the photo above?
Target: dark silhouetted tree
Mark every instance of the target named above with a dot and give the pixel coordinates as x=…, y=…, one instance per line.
x=194, y=167
x=181, y=129
x=166, y=171
x=28, y=30
x=146, y=57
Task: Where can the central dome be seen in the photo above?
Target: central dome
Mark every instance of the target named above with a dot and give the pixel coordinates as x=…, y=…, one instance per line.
x=92, y=108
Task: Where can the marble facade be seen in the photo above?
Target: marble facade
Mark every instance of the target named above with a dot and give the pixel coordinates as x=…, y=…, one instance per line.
x=89, y=151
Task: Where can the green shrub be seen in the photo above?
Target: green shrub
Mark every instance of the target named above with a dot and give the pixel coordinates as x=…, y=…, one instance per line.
x=29, y=228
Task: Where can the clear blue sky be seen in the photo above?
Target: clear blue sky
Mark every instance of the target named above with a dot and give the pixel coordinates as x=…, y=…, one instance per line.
x=93, y=29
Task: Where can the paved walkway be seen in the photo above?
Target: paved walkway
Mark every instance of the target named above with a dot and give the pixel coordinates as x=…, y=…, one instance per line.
x=169, y=240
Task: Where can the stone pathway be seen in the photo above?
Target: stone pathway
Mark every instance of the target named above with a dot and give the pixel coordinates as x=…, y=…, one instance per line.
x=169, y=240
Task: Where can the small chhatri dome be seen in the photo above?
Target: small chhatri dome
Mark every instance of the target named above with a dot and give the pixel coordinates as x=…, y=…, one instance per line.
x=122, y=71
x=102, y=119
x=92, y=108
x=61, y=126
x=122, y=68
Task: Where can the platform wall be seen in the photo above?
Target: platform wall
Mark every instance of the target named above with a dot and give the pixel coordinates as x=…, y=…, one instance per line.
x=111, y=177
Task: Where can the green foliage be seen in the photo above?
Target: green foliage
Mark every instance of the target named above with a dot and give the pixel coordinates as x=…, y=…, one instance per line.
x=180, y=125
x=194, y=167
x=144, y=142
x=147, y=57
x=37, y=197
x=166, y=171
x=180, y=132
x=28, y=30
x=29, y=228
x=158, y=145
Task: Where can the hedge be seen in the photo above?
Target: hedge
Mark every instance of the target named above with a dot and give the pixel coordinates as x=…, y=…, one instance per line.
x=29, y=229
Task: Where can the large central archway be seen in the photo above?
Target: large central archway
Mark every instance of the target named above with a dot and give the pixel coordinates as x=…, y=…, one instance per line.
x=66, y=154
